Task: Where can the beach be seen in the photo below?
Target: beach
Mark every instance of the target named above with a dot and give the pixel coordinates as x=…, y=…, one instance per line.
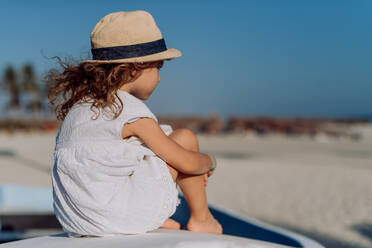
x=320, y=187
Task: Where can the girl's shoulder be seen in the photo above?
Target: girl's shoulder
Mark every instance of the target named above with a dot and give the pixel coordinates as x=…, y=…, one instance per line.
x=133, y=107
x=130, y=99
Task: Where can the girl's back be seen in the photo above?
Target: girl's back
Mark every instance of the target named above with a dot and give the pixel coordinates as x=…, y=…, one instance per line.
x=104, y=184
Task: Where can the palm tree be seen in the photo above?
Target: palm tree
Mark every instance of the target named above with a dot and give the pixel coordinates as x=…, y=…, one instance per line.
x=48, y=82
x=10, y=80
x=29, y=85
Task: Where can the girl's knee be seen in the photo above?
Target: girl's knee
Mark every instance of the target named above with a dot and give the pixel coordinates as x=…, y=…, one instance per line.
x=186, y=138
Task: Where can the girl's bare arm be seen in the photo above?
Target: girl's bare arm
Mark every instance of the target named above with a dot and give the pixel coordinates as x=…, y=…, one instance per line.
x=185, y=161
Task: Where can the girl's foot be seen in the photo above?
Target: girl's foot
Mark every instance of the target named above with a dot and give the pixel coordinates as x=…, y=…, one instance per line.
x=206, y=225
x=171, y=224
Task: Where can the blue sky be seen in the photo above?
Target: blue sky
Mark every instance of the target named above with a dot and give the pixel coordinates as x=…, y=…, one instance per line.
x=259, y=57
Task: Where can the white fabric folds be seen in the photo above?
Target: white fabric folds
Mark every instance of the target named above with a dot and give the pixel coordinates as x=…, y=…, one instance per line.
x=104, y=185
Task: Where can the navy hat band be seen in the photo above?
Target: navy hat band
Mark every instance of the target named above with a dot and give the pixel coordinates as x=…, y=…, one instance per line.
x=131, y=51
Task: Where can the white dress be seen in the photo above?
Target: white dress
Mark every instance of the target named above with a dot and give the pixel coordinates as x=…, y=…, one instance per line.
x=104, y=185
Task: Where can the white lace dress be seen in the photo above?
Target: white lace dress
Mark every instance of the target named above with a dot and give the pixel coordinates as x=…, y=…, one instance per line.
x=104, y=185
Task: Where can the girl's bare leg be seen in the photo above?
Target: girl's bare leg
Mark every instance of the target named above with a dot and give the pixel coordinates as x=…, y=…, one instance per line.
x=201, y=219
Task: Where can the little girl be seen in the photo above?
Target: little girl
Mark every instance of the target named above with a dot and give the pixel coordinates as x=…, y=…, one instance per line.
x=115, y=168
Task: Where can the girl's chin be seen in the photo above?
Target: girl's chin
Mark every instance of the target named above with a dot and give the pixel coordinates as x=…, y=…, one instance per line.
x=143, y=97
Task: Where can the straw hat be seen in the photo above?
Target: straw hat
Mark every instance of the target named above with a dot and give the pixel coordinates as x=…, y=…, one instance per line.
x=129, y=36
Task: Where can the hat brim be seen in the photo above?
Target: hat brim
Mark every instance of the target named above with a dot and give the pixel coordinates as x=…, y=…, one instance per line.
x=170, y=53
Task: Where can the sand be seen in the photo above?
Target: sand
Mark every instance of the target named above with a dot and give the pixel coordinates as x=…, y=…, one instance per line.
x=318, y=187
x=321, y=188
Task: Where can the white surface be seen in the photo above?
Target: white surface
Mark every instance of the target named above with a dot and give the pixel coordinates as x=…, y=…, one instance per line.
x=161, y=238
x=33, y=200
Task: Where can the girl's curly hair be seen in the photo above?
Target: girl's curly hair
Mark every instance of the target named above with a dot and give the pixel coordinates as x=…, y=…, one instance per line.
x=91, y=83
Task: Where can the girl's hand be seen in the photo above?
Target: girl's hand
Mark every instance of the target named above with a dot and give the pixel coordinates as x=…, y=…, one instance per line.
x=206, y=175
x=214, y=165
x=210, y=172
x=206, y=179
